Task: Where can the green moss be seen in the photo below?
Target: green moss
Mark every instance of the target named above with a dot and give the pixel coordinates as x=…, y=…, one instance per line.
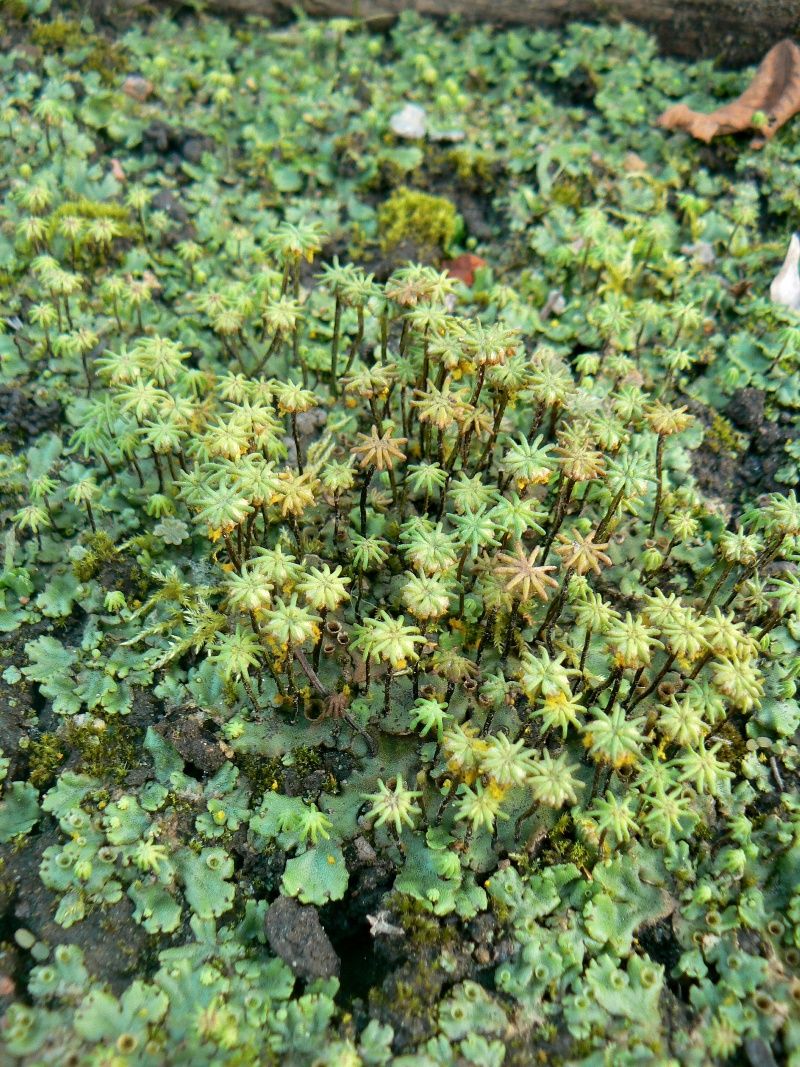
x=562, y=846
x=561, y=836
x=410, y=997
x=470, y=165
x=703, y=831
x=182, y=806
x=579, y=854
x=100, y=549
x=421, y=928
x=45, y=756
x=306, y=760
x=722, y=438
x=502, y=912
x=409, y=215
x=230, y=692
x=568, y=192
x=91, y=209
x=734, y=746
x=263, y=774
x=107, y=754
x=60, y=33
x=13, y=10
x=107, y=58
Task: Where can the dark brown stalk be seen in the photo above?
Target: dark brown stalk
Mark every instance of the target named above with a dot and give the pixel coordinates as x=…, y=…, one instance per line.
x=659, y=485
x=362, y=503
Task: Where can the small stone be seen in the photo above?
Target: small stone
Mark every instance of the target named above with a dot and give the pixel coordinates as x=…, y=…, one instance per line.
x=308, y=422
x=452, y=136
x=364, y=850
x=409, y=121
x=137, y=87
x=295, y=933
x=702, y=251
x=193, y=149
x=554, y=305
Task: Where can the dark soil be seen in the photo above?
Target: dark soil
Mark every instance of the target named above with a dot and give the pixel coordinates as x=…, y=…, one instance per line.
x=23, y=418
x=20, y=701
x=114, y=946
x=193, y=739
x=739, y=477
x=348, y=922
x=176, y=144
x=659, y=942
x=381, y=264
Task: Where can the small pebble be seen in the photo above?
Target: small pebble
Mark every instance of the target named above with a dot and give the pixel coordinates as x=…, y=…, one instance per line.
x=409, y=122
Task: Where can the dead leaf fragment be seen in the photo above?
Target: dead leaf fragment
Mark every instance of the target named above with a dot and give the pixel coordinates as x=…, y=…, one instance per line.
x=775, y=92
x=151, y=281
x=463, y=267
x=137, y=87
x=740, y=289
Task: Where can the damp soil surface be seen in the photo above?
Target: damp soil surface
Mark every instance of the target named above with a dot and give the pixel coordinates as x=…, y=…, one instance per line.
x=737, y=476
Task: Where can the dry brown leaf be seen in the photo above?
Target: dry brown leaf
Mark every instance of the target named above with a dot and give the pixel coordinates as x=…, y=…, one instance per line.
x=463, y=267
x=775, y=91
x=137, y=87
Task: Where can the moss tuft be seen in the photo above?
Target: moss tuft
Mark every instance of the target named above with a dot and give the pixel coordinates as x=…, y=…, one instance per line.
x=105, y=753
x=471, y=165
x=107, y=58
x=422, y=929
x=734, y=746
x=409, y=215
x=722, y=438
x=45, y=756
x=306, y=760
x=100, y=549
x=265, y=775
